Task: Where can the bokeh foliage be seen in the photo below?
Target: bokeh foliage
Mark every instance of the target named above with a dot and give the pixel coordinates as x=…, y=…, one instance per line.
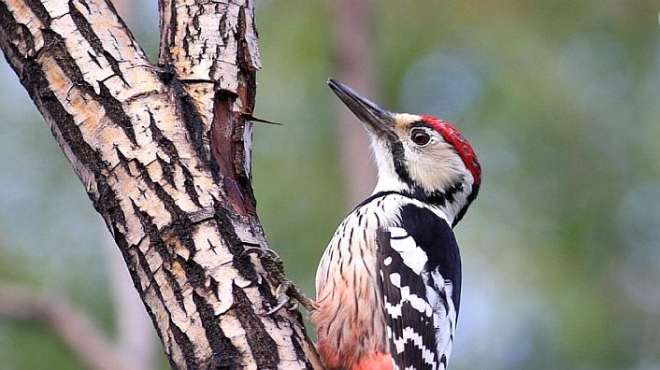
x=561, y=100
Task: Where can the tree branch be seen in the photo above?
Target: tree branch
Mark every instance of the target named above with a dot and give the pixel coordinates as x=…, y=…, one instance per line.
x=164, y=155
x=71, y=325
x=211, y=47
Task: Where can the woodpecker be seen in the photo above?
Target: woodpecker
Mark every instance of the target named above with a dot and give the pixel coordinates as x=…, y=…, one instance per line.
x=388, y=286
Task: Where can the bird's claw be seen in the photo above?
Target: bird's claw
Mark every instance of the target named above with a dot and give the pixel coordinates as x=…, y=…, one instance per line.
x=282, y=300
x=286, y=292
x=263, y=253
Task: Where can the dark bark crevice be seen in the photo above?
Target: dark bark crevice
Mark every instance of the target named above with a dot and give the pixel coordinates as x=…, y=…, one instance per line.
x=87, y=32
x=40, y=11
x=261, y=344
x=225, y=354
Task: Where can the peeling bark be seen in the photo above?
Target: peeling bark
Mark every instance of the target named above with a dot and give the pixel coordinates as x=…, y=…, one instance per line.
x=164, y=154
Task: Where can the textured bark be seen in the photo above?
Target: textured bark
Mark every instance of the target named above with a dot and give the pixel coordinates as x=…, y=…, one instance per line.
x=134, y=336
x=164, y=154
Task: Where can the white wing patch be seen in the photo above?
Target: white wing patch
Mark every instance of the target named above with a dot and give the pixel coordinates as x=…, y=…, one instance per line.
x=410, y=335
x=418, y=303
x=436, y=304
x=444, y=317
x=413, y=256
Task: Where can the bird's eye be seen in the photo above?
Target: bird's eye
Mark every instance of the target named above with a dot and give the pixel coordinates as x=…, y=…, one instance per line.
x=420, y=137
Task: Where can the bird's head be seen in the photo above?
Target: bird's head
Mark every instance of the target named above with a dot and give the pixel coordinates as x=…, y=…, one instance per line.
x=419, y=155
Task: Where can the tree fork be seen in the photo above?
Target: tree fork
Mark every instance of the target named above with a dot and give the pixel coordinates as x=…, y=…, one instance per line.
x=164, y=154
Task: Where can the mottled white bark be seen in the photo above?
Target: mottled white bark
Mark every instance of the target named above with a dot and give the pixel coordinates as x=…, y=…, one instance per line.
x=135, y=338
x=163, y=152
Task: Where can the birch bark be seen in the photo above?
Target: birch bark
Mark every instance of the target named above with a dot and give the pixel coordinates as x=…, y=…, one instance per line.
x=164, y=154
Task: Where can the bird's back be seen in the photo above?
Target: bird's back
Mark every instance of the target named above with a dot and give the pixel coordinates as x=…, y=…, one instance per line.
x=357, y=321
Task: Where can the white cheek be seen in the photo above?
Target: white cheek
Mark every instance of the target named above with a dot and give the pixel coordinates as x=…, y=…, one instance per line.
x=434, y=166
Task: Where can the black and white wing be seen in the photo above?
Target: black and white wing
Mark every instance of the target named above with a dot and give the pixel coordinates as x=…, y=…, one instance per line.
x=420, y=281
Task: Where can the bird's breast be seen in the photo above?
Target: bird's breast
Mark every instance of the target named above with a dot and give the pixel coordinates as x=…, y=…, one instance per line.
x=349, y=315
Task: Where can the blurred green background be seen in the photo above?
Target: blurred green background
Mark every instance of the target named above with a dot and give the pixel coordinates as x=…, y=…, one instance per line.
x=561, y=99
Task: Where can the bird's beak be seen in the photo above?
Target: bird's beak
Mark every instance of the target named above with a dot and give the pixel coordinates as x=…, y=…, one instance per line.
x=376, y=119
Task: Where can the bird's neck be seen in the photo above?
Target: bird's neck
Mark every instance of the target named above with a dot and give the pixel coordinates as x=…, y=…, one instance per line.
x=452, y=201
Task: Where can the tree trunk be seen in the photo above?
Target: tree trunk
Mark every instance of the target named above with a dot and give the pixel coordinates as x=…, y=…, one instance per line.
x=134, y=335
x=164, y=154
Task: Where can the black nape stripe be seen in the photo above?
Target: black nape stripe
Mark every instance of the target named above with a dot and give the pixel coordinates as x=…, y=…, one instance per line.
x=438, y=198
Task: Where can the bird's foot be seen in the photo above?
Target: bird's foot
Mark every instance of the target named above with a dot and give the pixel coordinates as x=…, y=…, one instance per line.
x=289, y=296
x=287, y=293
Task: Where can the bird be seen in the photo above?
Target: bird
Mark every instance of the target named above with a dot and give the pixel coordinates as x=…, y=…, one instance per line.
x=388, y=285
